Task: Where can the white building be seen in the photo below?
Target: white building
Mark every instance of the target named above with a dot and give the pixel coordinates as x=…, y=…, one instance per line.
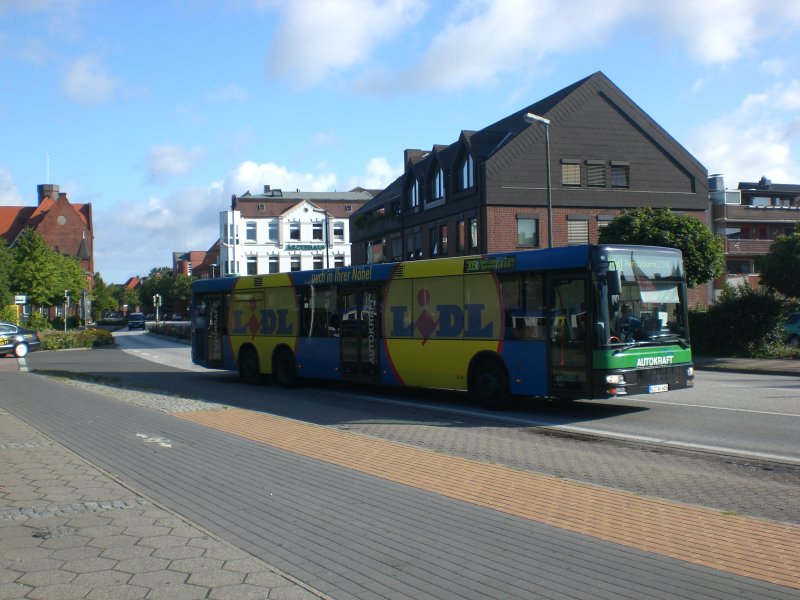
x=277, y=232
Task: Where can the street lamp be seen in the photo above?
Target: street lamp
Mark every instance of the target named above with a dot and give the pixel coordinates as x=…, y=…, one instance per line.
x=532, y=118
x=213, y=266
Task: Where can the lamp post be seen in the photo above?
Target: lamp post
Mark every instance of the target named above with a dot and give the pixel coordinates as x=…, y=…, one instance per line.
x=532, y=118
x=213, y=266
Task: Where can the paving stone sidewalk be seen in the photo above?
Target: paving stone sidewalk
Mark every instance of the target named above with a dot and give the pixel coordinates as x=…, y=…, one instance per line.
x=68, y=530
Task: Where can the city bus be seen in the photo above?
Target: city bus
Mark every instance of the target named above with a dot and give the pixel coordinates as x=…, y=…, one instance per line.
x=579, y=322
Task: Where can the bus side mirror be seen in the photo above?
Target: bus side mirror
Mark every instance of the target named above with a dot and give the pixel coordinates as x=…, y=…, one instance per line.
x=614, y=283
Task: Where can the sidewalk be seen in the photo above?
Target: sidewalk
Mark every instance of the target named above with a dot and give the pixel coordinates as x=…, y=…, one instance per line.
x=748, y=365
x=69, y=530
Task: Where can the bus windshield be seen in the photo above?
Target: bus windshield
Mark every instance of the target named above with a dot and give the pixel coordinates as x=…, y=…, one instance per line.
x=651, y=304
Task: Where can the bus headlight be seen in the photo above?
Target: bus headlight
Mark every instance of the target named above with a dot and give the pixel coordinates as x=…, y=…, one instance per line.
x=689, y=372
x=615, y=379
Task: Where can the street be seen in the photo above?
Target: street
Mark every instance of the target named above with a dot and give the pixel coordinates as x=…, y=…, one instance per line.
x=253, y=474
x=756, y=416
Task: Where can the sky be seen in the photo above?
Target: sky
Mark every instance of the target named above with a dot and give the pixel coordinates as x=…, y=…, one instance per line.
x=157, y=111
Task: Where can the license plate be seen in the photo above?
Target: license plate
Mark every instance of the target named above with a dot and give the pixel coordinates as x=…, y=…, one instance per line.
x=661, y=387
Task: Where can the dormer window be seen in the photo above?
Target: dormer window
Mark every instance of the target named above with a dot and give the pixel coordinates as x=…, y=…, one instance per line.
x=467, y=173
x=413, y=195
x=437, y=192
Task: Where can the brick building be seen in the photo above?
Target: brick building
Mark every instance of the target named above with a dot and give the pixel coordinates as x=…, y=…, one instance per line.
x=749, y=218
x=488, y=191
x=65, y=227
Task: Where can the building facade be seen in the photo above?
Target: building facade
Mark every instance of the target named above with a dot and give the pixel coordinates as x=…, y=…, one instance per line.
x=64, y=226
x=278, y=232
x=749, y=219
x=489, y=191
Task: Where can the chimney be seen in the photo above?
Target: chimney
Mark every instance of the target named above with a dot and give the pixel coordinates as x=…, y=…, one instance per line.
x=266, y=189
x=46, y=190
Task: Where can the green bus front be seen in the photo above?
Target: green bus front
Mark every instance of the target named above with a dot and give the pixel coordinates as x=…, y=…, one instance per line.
x=641, y=326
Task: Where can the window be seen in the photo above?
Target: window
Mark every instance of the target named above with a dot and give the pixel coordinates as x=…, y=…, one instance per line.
x=443, y=239
x=437, y=192
x=316, y=230
x=571, y=173
x=338, y=231
x=577, y=231
x=318, y=261
x=348, y=208
x=250, y=231
x=467, y=176
x=272, y=231
x=596, y=174
x=473, y=233
x=261, y=208
x=739, y=267
x=233, y=234
x=338, y=260
x=397, y=248
x=294, y=231
x=294, y=263
x=252, y=265
x=527, y=231
x=274, y=264
x=460, y=237
x=620, y=175
x=414, y=244
x=413, y=195
x=433, y=235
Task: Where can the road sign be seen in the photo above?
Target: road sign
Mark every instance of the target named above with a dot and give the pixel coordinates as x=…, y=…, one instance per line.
x=20, y=299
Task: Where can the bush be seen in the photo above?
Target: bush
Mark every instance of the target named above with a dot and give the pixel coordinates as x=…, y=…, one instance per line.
x=37, y=322
x=183, y=332
x=79, y=338
x=744, y=321
x=8, y=314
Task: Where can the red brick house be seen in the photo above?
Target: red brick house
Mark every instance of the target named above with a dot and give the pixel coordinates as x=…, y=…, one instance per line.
x=65, y=227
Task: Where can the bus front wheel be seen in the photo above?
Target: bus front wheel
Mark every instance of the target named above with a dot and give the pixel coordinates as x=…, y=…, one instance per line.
x=490, y=385
x=249, y=369
x=284, y=368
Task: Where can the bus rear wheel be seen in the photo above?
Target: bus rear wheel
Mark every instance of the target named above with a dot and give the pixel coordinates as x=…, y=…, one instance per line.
x=249, y=369
x=284, y=368
x=490, y=385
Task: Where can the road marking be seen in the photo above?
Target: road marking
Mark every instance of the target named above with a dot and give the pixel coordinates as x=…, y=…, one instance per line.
x=155, y=439
x=743, y=410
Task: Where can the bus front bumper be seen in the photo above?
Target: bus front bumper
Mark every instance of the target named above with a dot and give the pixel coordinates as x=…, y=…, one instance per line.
x=629, y=382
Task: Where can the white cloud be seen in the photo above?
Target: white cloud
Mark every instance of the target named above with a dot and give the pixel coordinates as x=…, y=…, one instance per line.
x=761, y=137
x=378, y=174
x=251, y=176
x=171, y=160
x=9, y=196
x=313, y=42
x=87, y=81
x=489, y=37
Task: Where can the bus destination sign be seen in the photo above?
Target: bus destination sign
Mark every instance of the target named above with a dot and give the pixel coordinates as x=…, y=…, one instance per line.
x=482, y=265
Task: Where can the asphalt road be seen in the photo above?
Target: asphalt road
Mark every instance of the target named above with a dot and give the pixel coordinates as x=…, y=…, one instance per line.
x=756, y=416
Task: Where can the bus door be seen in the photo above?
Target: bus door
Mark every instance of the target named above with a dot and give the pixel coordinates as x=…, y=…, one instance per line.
x=210, y=329
x=569, y=357
x=359, y=332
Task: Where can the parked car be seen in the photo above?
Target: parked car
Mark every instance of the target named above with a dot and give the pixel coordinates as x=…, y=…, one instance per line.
x=791, y=330
x=136, y=321
x=17, y=340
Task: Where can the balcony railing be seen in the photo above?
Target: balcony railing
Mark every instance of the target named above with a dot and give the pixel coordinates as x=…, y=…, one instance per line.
x=747, y=247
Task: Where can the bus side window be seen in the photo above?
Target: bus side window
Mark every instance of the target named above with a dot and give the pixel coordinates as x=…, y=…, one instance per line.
x=535, y=315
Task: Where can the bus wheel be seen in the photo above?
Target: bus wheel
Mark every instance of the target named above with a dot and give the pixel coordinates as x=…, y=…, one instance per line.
x=284, y=368
x=490, y=385
x=249, y=369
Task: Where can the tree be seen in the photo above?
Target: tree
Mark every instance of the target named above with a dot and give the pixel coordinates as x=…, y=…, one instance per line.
x=102, y=299
x=34, y=268
x=6, y=258
x=703, y=252
x=780, y=268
